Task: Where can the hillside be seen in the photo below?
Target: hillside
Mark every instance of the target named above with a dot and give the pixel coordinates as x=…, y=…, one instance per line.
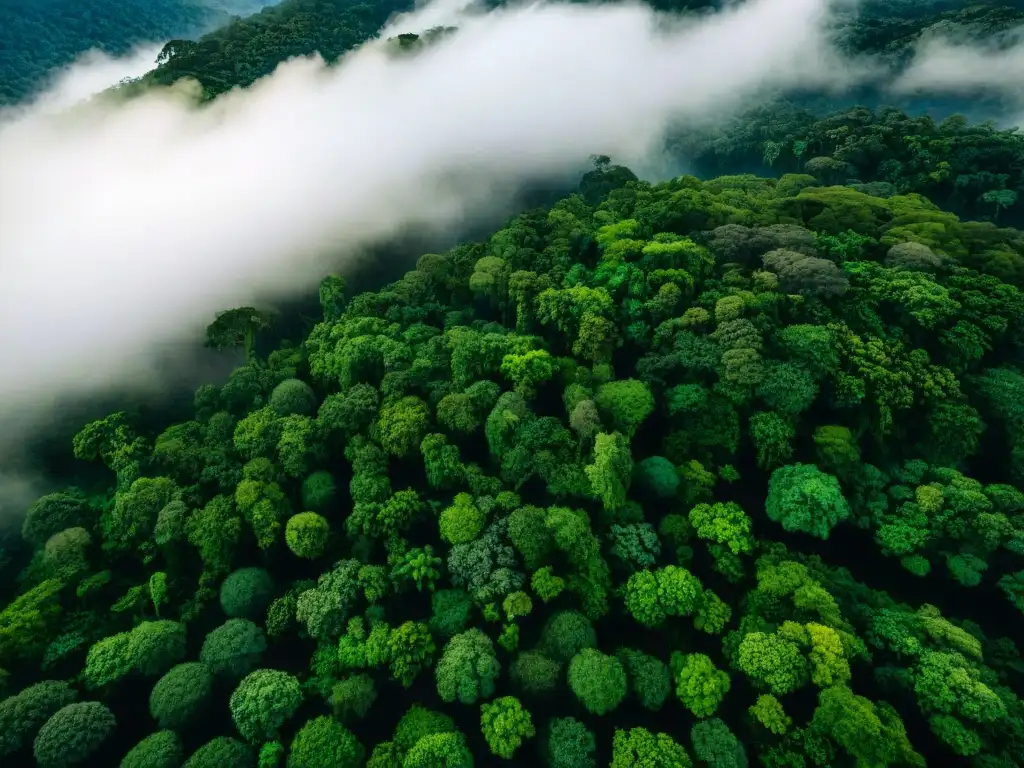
x=38, y=36
x=239, y=53
x=247, y=49
x=975, y=170
x=972, y=169
x=719, y=471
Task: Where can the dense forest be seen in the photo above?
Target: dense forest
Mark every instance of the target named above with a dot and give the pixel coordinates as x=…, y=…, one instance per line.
x=718, y=471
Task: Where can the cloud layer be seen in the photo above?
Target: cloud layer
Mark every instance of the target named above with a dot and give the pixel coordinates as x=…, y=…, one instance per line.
x=93, y=72
x=126, y=227
x=945, y=65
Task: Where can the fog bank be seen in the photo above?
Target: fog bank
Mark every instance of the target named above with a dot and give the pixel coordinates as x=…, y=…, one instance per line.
x=126, y=227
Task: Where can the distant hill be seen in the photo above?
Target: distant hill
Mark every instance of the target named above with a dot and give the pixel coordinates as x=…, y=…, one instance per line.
x=38, y=36
x=238, y=53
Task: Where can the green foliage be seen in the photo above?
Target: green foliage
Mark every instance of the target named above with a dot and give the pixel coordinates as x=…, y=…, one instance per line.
x=419, y=566
x=528, y=531
x=439, y=749
x=649, y=677
x=214, y=531
x=342, y=415
x=638, y=747
x=181, y=695
x=40, y=40
x=567, y=633
x=517, y=605
x=528, y=370
x=803, y=498
x=656, y=476
x=726, y=524
x=451, y=612
x=353, y=697
x=419, y=722
x=150, y=649
x=611, y=473
x=220, y=752
x=773, y=661
x=626, y=404
x=700, y=686
x=546, y=585
x=866, y=732
x=772, y=436
x=233, y=649
x=319, y=491
x=170, y=523
x=768, y=711
x=652, y=596
x=402, y=425
x=23, y=714
x=462, y=521
x=234, y=327
x=271, y=755
x=597, y=680
x=635, y=545
x=533, y=673
x=306, y=535
x=325, y=743
x=158, y=590
x=468, y=668
x=293, y=396
x=323, y=609
x=158, y=750
x=263, y=701
x=569, y=744
x=72, y=734
x=246, y=593
x=51, y=514
x=837, y=448
x=130, y=522
x=505, y=725
x=715, y=744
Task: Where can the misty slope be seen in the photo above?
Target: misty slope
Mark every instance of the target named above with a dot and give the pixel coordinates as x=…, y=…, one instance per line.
x=38, y=36
x=894, y=34
x=247, y=49
x=971, y=169
x=250, y=48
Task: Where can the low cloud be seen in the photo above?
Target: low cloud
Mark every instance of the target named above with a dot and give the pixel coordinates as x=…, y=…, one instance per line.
x=93, y=72
x=946, y=65
x=125, y=227
x=430, y=15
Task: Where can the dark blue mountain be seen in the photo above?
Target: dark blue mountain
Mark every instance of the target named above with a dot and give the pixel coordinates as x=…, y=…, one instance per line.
x=38, y=36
